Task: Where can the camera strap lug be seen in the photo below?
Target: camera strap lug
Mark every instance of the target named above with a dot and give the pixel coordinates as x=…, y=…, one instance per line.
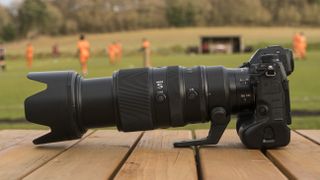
x=219, y=122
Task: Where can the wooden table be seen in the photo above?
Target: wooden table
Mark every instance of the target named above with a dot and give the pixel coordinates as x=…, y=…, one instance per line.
x=108, y=154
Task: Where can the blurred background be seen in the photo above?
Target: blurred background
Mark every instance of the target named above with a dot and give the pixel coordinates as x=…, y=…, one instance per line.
x=43, y=35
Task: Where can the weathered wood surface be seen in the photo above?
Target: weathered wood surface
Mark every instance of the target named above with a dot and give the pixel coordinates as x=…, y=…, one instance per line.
x=299, y=160
x=108, y=154
x=156, y=158
x=9, y=138
x=23, y=157
x=313, y=135
x=96, y=157
x=231, y=160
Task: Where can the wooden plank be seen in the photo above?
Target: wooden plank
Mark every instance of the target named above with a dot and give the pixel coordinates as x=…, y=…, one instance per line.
x=299, y=160
x=313, y=135
x=24, y=157
x=9, y=138
x=231, y=160
x=156, y=158
x=96, y=157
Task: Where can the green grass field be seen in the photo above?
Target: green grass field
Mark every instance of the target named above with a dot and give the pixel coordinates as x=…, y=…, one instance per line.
x=15, y=87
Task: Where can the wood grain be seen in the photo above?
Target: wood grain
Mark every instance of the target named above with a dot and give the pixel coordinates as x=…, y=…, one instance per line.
x=103, y=155
x=96, y=157
x=313, y=135
x=231, y=160
x=156, y=158
x=299, y=160
x=24, y=157
x=9, y=138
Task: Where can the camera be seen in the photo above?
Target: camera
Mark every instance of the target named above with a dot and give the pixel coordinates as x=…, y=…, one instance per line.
x=149, y=98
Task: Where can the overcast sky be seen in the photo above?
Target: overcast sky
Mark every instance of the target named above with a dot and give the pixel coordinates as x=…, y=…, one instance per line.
x=8, y=2
x=5, y=2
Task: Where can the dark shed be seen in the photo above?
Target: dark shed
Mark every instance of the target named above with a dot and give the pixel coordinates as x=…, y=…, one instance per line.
x=220, y=44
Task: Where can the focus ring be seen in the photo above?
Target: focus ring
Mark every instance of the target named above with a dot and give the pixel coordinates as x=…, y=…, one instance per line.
x=176, y=94
x=134, y=101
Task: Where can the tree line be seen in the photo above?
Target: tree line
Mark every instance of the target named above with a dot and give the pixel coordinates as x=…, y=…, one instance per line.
x=57, y=17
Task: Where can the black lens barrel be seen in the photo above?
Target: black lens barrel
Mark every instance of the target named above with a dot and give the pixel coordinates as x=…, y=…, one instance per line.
x=136, y=99
x=95, y=98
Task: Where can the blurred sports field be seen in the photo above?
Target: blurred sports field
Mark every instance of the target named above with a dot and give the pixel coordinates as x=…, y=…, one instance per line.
x=166, y=40
x=168, y=48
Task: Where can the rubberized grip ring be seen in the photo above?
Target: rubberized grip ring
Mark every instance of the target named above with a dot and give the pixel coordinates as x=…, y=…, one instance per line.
x=134, y=99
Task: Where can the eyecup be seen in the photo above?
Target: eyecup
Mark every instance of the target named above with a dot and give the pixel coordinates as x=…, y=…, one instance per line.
x=55, y=107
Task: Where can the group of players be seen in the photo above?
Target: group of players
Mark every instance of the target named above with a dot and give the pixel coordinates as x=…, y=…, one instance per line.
x=113, y=50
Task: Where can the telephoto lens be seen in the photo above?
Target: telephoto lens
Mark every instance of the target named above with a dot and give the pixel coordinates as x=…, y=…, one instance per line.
x=149, y=98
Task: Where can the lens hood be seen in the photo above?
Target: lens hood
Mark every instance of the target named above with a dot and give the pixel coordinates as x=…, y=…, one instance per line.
x=56, y=106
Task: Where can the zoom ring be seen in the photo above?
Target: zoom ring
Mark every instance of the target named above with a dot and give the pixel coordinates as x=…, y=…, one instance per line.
x=134, y=99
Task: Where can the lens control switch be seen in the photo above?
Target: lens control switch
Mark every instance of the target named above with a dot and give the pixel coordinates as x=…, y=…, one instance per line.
x=160, y=98
x=192, y=94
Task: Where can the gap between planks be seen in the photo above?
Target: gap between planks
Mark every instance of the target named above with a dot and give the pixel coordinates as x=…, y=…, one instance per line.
x=312, y=135
x=96, y=157
x=299, y=160
x=225, y=143
x=229, y=159
x=22, y=158
x=77, y=141
x=9, y=138
x=155, y=157
x=115, y=172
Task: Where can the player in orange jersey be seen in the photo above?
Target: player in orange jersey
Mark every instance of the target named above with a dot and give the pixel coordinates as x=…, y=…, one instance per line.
x=146, y=48
x=29, y=55
x=299, y=45
x=111, y=50
x=118, y=51
x=84, y=53
x=302, y=46
x=295, y=45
